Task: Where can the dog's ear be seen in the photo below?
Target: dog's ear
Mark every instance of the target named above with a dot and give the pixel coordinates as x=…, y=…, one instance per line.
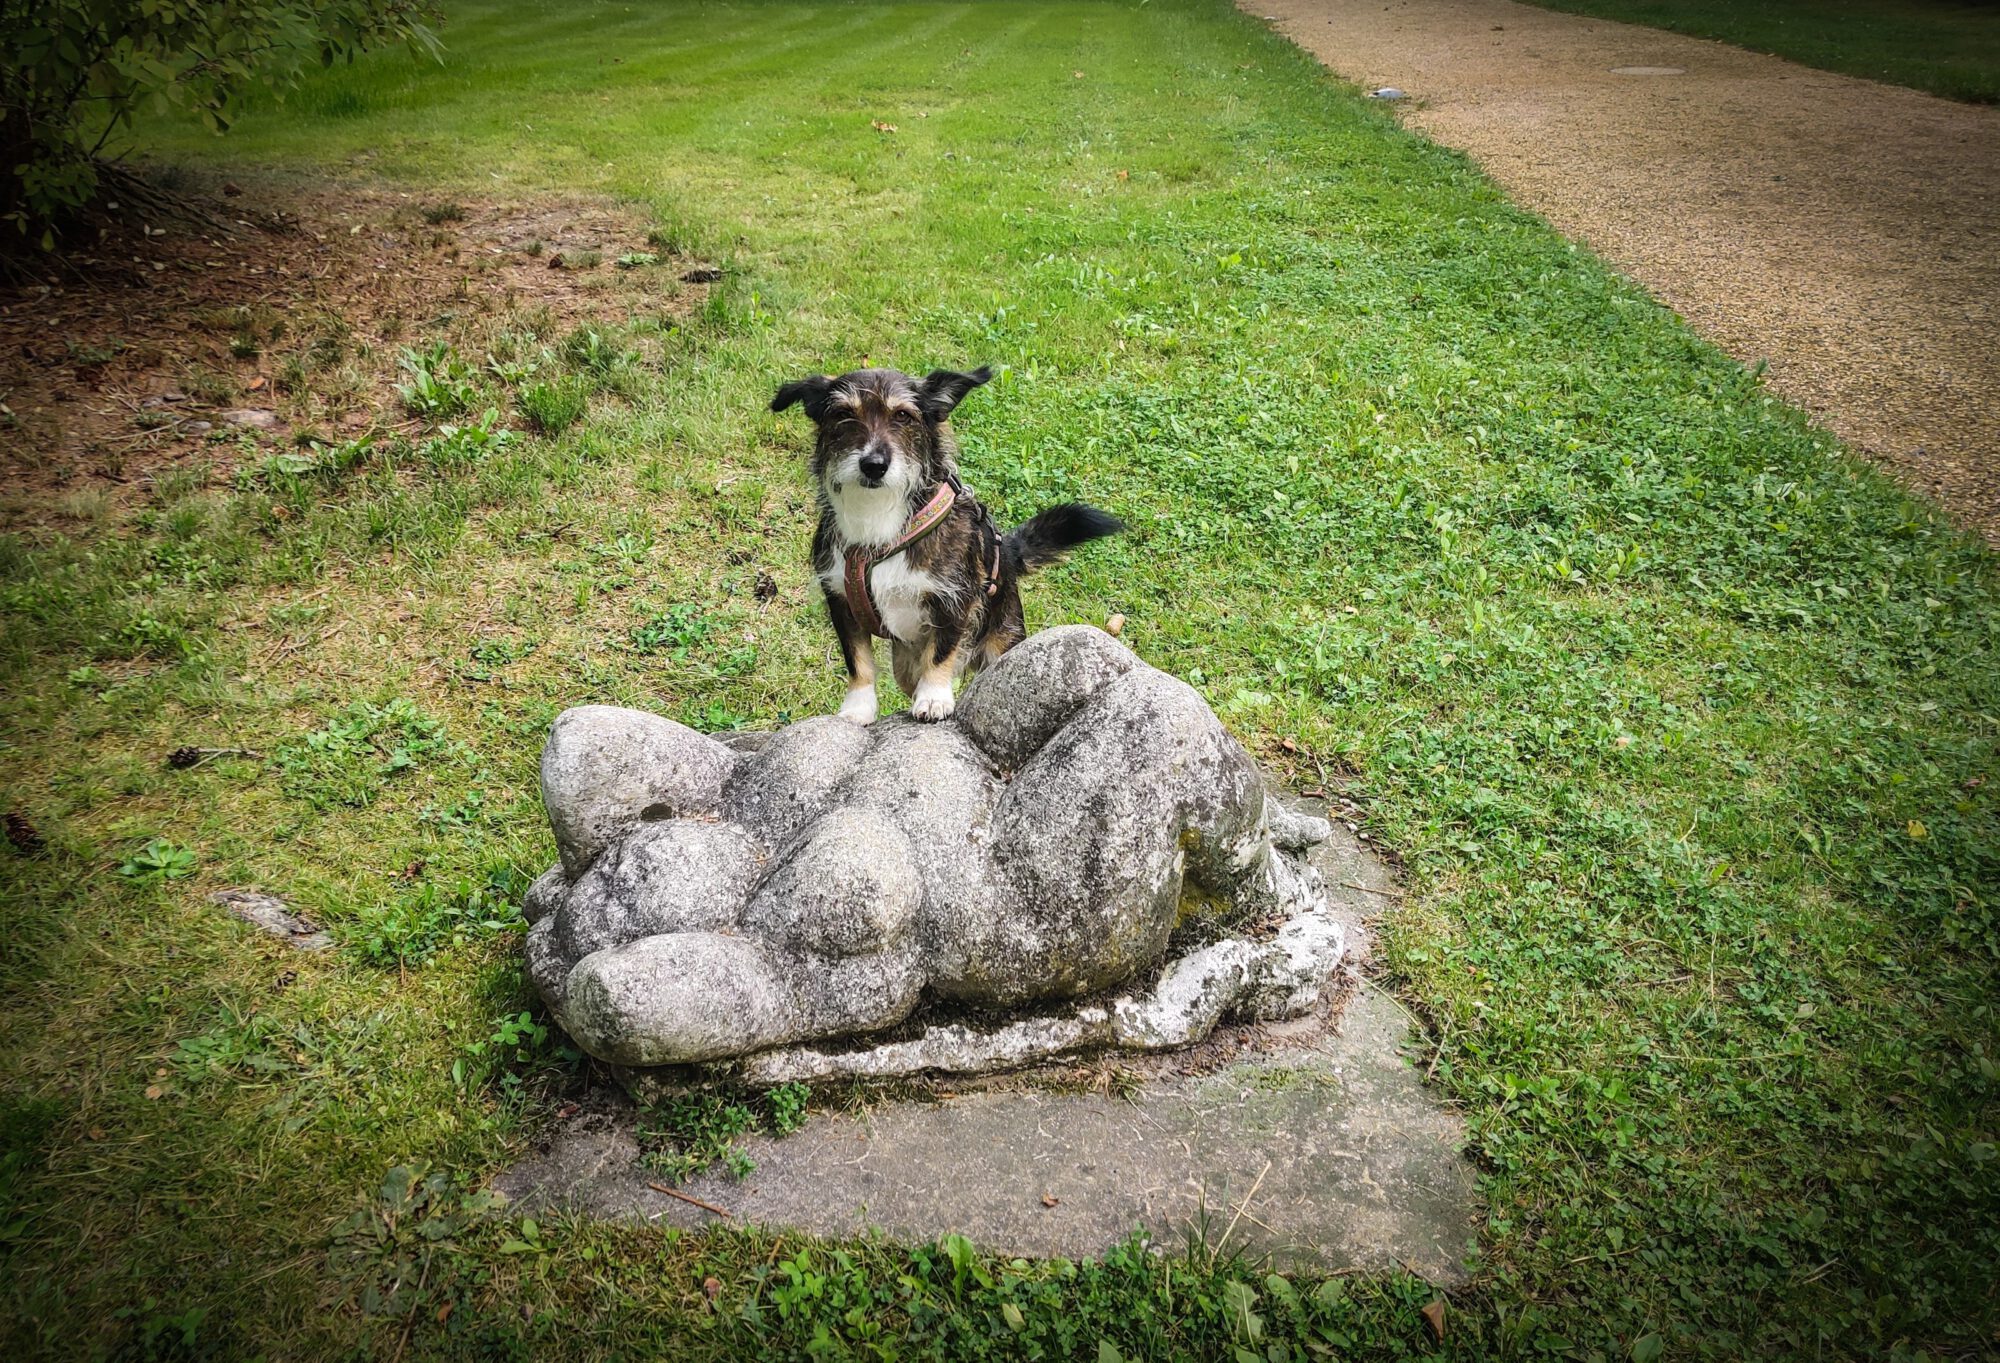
x=812, y=392
x=943, y=389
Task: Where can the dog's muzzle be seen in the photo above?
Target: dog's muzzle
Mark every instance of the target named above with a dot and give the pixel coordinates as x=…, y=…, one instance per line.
x=873, y=468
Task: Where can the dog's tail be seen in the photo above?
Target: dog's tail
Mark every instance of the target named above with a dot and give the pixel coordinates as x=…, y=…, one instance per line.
x=1044, y=539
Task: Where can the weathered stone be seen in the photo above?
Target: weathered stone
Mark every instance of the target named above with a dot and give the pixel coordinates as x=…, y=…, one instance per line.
x=604, y=767
x=1011, y=712
x=274, y=916
x=676, y=997
x=254, y=418
x=850, y=888
x=676, y=875
x=545, y=895
x=792, y=776
x=771, y=905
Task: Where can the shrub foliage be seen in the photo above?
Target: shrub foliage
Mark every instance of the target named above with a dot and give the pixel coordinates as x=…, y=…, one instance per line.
x=78, y=71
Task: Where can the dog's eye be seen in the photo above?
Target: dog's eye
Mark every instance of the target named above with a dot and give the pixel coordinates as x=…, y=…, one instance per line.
x=906, y=419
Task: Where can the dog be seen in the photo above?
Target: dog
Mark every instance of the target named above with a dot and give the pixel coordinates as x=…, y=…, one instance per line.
x=904, y=550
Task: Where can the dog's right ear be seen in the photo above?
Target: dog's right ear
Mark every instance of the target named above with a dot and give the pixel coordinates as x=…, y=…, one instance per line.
x=813, y=392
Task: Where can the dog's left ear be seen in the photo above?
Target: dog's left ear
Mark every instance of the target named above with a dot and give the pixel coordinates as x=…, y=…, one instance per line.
x=943, y=389
x=812, y=392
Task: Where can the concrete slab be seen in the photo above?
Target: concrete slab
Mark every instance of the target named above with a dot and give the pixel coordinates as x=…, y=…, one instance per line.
x=1328, y=1156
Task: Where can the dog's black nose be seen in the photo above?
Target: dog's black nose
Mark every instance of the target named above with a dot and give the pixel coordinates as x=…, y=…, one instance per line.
x=874, y=465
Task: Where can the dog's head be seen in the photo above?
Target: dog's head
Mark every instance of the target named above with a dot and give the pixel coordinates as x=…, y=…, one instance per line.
x=881, y=428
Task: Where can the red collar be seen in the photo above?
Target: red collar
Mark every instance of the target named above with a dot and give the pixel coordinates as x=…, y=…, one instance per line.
x=861, y=562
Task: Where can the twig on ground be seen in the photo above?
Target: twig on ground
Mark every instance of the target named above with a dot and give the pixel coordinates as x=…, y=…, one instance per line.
x=1242, y=1207
x=1369, y=889
x=695, y=1201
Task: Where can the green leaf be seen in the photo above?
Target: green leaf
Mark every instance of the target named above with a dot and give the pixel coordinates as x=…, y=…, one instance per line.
x=1012, y=1315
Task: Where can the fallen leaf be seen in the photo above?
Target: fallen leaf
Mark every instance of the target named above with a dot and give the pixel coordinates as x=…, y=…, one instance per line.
x=154, y=1091
x=95, y=1133
x=882, y=127
x=256, y=383
x=1434, y=1317
x=1124, y=174
x=1050, y=1199
x=1289, y=744
x=444, y=1312
x=1115, y=626
x=711, y=1288
x=1076, y=75
x=1917, y=830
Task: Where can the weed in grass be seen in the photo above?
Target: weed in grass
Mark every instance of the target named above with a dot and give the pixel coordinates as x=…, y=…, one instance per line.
x=472, y=443
x=713, y=717
x=410, y=928
x=552, y=407
x=634, y=259
x=440, y=383
x=347, y=760
x=517, y=1052
x=438, y=214
x=405, y=1248
x=676, y=631
x=159, y=860
x=595, y=352
x=209, y=386
x=515, y=368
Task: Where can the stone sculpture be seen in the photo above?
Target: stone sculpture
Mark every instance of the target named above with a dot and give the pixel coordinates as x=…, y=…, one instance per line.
x=782, y=904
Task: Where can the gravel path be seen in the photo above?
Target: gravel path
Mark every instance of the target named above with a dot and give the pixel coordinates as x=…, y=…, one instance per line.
x=1848, y=233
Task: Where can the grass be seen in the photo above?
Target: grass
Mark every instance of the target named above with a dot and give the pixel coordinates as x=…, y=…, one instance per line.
x=1682, y=719
x=1948, y=47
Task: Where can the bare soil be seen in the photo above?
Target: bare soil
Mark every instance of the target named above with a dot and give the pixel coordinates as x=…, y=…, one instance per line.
x=165, y=345
x=1845, y=232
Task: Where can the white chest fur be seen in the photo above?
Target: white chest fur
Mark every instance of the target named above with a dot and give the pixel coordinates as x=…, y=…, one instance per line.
x=898, y=590
x=874, y=518
x=870, y=516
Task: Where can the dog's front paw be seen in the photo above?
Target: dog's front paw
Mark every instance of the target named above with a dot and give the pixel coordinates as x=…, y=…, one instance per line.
x=932, y=703
x=859, y=707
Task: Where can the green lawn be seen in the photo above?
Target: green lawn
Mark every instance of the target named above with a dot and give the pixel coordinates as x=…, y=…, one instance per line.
x=1681, y=718
x=1948, y=47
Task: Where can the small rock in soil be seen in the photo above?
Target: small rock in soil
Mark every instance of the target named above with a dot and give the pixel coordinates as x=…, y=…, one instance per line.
x=256, y=418
x=269, y=913
x=1386, y=92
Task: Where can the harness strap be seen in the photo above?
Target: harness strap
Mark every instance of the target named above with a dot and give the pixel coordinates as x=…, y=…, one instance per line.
x=860, y=562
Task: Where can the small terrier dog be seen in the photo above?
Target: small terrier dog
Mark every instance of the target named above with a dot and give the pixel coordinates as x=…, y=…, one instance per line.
x=904, y=550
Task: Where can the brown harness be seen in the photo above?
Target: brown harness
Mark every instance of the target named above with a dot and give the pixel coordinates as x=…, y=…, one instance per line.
x=860, y=562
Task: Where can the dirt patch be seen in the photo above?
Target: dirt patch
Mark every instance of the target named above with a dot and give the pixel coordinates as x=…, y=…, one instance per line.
x=162, y=346
x=1848, y=233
